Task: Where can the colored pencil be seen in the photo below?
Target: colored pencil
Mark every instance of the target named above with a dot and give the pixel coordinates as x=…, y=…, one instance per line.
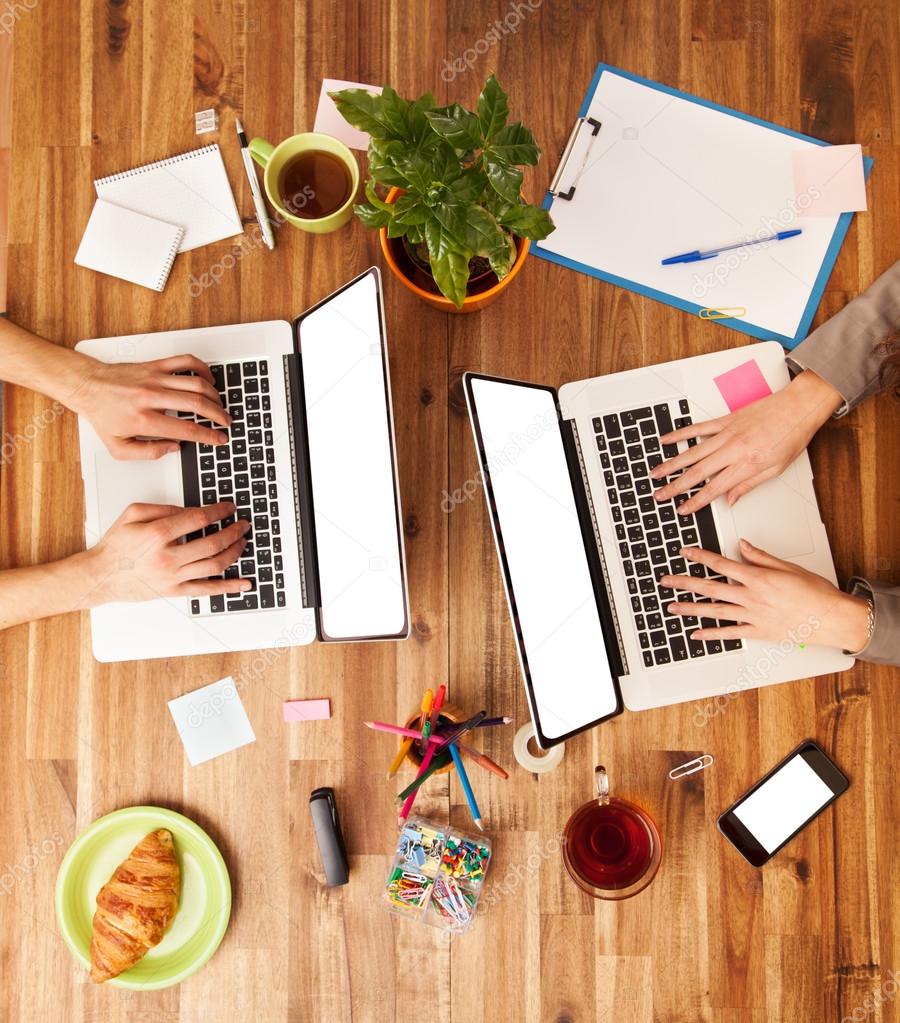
x=466, y=786
x=411, y=733
x=425, y=723
x=482, y=760
x=404, y=747
x=486, y=723
x=426, y=760
x=440, y=760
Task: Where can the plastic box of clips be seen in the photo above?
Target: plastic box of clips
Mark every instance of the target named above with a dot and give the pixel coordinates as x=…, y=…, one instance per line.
x=437, y=875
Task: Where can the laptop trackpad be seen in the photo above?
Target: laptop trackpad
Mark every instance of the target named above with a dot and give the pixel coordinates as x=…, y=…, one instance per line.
x=122, y=483
x=774, y=518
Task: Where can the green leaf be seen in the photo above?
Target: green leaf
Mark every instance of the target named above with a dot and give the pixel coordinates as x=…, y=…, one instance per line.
x=415, y=234
x=376, y=201
x=444, y=232
x=409, y=209
x=395, y=114
x=505, y=180
x=502, y=258
x=528, y=221
x=417, y=170
x=514, y=144
x=469, y=187
x=492, y=108
x=363, y=110
x=395, y=229
x=371, y=217
x=451, y=274
x=483, y=234
x=382, y=154
x=458, y=126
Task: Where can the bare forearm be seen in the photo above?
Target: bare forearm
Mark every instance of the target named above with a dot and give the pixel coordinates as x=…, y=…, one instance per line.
x=33, y=362
x=39, y=591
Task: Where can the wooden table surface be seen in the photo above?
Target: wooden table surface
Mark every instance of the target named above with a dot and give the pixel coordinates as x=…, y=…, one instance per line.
x=815, y=936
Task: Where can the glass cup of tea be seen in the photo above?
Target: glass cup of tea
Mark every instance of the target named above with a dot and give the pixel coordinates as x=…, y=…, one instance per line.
x=611, y=847
x=311, y=180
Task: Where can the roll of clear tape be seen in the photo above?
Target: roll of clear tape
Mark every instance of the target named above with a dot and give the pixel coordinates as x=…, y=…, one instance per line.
x=536, y=764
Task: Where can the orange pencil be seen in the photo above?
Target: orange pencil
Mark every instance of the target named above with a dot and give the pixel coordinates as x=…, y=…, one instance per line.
x=482, y=760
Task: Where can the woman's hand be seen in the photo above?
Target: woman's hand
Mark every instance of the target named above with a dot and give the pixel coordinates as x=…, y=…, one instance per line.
x=126, y=403
x=747, y=447
x=769, y=599
x=140, y=558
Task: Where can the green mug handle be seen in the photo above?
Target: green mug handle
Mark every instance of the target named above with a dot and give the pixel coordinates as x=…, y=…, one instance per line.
x=261, y=151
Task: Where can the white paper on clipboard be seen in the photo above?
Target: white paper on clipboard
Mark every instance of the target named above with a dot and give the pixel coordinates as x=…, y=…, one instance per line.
x=665, y=175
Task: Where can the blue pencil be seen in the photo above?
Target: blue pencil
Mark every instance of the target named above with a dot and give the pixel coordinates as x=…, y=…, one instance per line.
x=467, y=788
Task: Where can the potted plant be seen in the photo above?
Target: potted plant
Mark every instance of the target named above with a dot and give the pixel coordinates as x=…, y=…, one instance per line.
x=453, y=224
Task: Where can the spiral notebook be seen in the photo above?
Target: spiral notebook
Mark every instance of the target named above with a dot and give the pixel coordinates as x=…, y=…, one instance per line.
x=190, y=190
x=129, y=245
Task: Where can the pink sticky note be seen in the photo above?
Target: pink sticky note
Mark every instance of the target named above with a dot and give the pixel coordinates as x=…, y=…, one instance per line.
x=742, y=385
x=330, y=122
x=307, y=710
x=829, y=180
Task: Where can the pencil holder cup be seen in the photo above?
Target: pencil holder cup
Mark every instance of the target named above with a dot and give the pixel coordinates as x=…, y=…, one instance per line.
x=450, y=715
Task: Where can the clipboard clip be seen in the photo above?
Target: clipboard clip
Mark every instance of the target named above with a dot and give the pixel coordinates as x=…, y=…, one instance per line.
x=567, y=152
x=726, y=313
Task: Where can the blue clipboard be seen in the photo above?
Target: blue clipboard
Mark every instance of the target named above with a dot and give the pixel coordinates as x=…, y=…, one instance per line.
x=837, y=239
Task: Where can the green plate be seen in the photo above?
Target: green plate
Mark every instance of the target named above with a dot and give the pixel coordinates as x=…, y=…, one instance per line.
x=203, y=912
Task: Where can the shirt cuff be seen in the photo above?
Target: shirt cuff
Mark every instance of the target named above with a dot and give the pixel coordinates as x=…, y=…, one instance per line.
x=795, y=367
x=882, y=647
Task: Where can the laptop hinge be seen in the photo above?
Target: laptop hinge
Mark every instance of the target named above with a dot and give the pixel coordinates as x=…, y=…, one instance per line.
x=297, y=434
x=593, y=545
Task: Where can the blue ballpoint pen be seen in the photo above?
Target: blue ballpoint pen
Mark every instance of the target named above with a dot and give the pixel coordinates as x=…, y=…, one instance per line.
x=467, y=788
x=697, y=255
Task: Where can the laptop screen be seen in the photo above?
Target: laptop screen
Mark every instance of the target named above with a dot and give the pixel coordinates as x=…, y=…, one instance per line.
x=542, y=554
x=356, y=509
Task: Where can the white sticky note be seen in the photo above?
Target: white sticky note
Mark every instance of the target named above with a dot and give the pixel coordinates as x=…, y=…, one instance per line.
x=330, y=122
x=829, y=180
x=211, y=721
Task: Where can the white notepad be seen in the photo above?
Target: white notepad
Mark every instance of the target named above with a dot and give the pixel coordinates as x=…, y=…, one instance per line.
x=191, y=189
x=129, y=245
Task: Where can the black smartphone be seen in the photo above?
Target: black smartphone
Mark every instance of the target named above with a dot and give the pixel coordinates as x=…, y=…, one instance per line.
x=782, y=803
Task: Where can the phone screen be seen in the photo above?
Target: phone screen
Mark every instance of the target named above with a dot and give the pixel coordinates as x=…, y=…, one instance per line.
x=762, y=821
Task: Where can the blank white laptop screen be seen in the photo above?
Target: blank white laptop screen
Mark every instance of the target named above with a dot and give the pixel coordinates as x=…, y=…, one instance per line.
x=361, y=582
x=789, y=798
x=538, y=531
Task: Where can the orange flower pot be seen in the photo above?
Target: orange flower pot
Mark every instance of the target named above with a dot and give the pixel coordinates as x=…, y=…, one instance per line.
x=471, y=303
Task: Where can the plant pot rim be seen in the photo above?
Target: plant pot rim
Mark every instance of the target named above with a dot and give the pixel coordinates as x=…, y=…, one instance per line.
x=470, y=302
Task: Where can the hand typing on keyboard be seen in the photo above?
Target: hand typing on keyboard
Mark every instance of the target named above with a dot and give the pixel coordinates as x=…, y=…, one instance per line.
x=741, y=450
x=126, y=403
x=768, y=599
x=140, y=557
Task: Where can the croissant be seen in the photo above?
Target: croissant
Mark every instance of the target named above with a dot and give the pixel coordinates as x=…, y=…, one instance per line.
x=135, y=906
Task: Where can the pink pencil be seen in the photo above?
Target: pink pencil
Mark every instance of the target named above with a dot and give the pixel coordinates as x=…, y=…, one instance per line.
x=426, y=760
x=411, y=733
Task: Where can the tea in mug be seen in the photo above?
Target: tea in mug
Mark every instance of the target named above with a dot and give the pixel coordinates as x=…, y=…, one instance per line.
x=314, y=184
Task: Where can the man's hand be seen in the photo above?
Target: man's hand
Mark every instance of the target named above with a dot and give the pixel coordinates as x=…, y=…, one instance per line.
x=768, y=599
x=140, y=558
x=126, y=403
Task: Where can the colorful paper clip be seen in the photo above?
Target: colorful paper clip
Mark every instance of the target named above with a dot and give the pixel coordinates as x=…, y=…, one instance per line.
x=726, y=313
x=691, y=767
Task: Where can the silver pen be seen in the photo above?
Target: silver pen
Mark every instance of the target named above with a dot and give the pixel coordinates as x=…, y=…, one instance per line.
x=258, y=202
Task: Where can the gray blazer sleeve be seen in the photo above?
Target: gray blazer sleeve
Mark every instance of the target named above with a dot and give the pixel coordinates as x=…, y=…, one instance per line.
x=842, y=350
x=884, y=646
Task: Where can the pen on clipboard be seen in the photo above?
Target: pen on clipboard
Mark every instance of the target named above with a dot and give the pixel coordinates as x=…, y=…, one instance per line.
x=697, y=255
x=258, y=202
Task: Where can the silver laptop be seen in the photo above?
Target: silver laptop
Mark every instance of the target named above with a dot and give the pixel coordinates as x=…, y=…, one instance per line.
x=310, y=461
x=582, y=541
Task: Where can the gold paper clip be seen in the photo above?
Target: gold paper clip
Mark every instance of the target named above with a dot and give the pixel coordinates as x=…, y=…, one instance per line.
x=691, y=767
x=729, y=313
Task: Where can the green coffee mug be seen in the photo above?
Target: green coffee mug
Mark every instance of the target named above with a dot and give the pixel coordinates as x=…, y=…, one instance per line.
x=273, y=158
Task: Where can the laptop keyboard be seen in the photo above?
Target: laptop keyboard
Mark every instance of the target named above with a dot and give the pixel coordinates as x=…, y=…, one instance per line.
x=242, y=471
x=650, y=534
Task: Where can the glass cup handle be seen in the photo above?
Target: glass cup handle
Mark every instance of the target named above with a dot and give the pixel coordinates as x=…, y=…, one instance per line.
x=602, y=780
